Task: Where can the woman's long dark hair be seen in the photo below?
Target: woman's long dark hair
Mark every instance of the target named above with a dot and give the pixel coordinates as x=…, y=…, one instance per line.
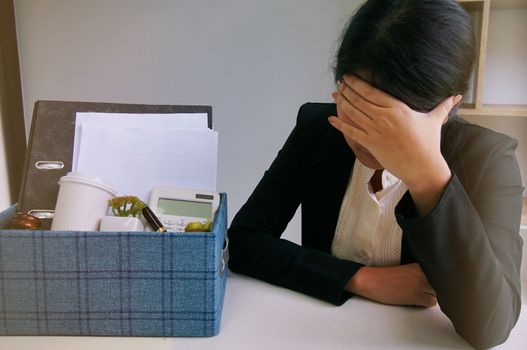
x=419, y=51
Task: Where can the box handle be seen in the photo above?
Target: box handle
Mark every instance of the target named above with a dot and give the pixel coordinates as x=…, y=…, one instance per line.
x=224, y=257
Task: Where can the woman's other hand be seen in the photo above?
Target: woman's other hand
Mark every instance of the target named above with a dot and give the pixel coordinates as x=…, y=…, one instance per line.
x=405, y=142
x=395, y=285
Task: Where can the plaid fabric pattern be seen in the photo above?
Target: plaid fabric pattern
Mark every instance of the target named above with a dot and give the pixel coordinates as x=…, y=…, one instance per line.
x=118, y=283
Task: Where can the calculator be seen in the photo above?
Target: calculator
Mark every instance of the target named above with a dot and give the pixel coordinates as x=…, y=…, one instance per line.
x=176, y=207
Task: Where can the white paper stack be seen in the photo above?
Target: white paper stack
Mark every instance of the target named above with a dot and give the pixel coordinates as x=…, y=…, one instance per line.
x=136, y=152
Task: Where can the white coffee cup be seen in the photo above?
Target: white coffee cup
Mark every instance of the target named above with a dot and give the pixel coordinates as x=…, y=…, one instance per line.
x=81, y=203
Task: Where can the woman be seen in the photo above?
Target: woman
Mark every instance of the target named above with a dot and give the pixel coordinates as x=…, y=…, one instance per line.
x=402, y=202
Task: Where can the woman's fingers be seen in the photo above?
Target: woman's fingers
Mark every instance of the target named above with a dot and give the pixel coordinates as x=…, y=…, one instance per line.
x=359, y=102
x=370, y=93
x=442, y=110
x=353, y=132
x=428, y=301
x=350, y=113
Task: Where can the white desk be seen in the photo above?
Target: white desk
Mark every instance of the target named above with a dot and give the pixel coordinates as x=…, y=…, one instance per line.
x=260, y=316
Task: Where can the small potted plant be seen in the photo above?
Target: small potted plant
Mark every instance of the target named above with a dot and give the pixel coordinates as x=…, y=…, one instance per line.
x=126, y=211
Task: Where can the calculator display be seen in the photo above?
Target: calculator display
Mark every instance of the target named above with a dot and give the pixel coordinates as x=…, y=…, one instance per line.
x=184, y=208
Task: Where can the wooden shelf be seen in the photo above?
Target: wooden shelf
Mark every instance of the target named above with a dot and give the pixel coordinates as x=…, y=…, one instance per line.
x=472, y=5
x=494, y=110
x=495, y=4
x=480, y=10
x=507, y=4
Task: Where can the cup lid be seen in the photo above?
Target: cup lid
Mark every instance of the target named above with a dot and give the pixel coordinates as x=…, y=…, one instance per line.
x=96, y=181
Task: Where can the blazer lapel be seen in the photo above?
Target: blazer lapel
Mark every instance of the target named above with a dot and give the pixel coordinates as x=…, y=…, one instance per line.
x=325, y=182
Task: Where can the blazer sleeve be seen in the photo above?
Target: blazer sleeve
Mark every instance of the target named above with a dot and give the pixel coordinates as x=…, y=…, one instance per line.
x=470, y=249
x=256, y=248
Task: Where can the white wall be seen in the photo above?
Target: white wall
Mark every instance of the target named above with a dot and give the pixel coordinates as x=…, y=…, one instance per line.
x=254, y=61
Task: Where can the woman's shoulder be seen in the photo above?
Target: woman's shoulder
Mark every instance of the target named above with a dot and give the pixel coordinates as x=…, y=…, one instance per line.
x=315, y=114
x=474, y=152
x=469, y=134
x=320, y=141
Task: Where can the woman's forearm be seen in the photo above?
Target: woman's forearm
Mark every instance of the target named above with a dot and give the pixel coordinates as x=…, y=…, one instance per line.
x=429, y=184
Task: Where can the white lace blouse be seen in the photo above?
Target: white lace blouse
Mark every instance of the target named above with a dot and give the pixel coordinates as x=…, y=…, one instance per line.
x=367, y=231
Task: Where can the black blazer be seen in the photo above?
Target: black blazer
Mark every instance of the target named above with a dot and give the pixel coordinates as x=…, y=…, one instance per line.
x=469, y=245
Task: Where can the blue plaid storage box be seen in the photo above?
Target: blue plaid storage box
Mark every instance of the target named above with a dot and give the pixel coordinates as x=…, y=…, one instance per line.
x=112, y=283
